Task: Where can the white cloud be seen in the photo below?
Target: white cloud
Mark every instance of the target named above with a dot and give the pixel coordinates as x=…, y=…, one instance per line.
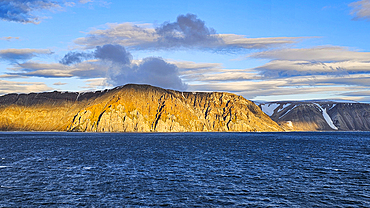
x=59, y=83
x=316, y=54
x=328, y=60
x=14, y=55
x=126, y=34
x=240, y=41
x=308, y=86
x=192, y=68
x=97, y=83
x=84, y=70
x=22, y=87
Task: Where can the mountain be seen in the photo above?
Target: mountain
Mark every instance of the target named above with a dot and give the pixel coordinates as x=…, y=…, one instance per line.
x=321, y=115
x=132, y=108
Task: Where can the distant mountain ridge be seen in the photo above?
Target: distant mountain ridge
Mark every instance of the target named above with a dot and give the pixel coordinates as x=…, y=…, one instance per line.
x=132, y=108
x=319, y=115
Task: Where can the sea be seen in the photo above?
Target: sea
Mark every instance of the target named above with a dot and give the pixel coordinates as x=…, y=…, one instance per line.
x=286, y=169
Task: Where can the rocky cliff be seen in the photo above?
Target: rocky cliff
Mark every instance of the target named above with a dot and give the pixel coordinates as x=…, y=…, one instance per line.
x=319, y=115
x=132, y=108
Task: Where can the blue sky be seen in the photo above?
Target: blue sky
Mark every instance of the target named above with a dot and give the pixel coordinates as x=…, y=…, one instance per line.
x=262, y=50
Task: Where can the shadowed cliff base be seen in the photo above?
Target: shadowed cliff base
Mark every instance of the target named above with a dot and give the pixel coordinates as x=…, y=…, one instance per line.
x=132, y=108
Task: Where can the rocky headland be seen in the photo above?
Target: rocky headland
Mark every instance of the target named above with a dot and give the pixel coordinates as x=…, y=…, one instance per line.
x=132, y=108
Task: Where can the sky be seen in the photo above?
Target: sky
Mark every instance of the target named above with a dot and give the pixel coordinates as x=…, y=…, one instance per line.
x=270, y=50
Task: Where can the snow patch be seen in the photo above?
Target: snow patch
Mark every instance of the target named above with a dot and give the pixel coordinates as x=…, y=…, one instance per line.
x=284, y=106
x=287, y=112
x=289, y=123
x=332, y=106
x=78, y=96
x=327, y=117
x=269, y=108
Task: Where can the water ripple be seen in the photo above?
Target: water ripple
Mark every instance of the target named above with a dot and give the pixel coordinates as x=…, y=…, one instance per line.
x=185, y=170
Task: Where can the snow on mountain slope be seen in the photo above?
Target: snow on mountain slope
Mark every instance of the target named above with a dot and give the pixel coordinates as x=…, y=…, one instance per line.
x=269, y=108
x=327, y=117
x=319, y=115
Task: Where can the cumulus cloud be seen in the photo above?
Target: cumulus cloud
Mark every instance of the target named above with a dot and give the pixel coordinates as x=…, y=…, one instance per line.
x=361, y=9
x=108, y=52
x=187, y=31
x=22, y=87
x=111, y=62
x=14, y=55
x=114, y=53
x=154, y=71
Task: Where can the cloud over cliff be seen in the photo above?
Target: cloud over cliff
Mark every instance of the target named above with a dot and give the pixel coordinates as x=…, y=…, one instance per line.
x=111, y=62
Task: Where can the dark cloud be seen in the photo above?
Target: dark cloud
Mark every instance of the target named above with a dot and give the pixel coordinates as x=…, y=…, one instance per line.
x=188, y=30
x=114, y=53
x=153, y=71
x=112, y=62
x=21, y=10
x=75, y=57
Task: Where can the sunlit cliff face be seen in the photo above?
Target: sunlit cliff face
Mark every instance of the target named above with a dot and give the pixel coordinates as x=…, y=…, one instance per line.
x=132, y=108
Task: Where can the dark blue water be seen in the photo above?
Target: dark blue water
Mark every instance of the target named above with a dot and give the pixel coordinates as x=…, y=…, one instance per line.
x=185, y=170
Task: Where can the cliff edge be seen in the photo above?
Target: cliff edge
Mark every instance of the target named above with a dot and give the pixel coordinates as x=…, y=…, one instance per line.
x=132, y=108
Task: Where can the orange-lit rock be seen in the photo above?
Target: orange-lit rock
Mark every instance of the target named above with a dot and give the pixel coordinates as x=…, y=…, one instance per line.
x=132, y=108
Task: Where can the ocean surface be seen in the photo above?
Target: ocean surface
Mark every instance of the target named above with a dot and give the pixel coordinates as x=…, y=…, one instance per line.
x=321, y=169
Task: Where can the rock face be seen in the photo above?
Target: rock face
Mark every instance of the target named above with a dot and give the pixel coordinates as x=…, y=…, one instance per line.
x=319, y=115
x=132, y=108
